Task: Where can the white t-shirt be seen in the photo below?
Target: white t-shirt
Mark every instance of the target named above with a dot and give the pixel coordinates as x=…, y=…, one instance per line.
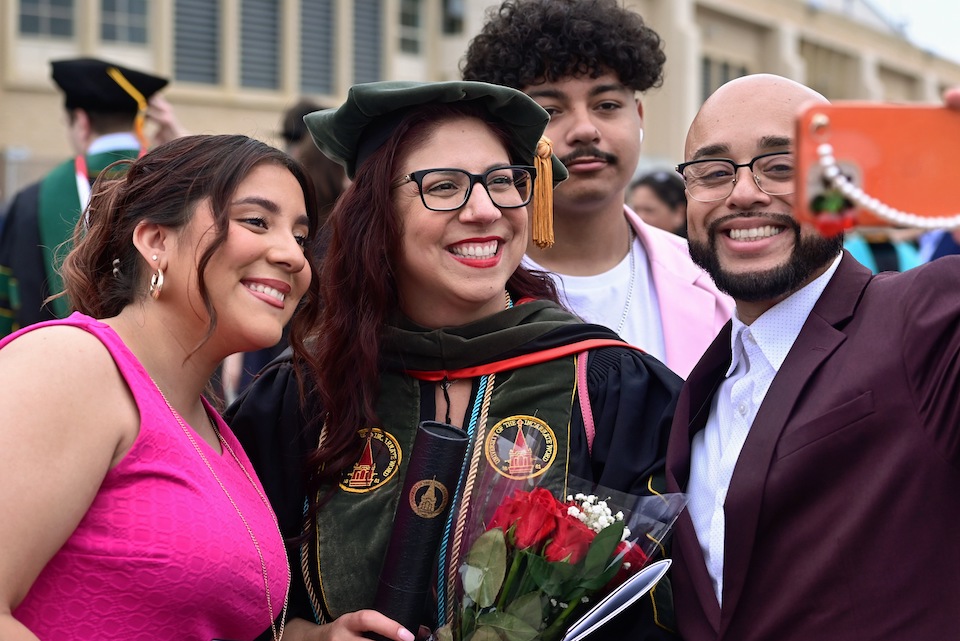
x=603, y=299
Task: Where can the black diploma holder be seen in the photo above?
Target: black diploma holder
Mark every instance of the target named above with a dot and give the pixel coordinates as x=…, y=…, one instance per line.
x=428, y=492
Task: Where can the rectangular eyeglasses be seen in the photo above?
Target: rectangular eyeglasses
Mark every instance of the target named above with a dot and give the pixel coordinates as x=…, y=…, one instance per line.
x=448, y=189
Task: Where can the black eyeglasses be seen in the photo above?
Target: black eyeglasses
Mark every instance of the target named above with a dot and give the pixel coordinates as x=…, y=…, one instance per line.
x=449, y=189
x=711, y=179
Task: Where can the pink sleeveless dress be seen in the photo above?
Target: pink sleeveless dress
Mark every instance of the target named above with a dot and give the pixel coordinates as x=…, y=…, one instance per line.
x=161, y=554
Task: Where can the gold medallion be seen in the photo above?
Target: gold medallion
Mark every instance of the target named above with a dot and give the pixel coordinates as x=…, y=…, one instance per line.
x=379, y=462
x=521, y=447
x=428, y=498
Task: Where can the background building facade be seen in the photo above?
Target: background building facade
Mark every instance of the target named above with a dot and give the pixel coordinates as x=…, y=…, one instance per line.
x=236, y=64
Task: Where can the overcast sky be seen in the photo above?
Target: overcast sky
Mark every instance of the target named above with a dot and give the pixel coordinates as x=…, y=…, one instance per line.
x=931, y=24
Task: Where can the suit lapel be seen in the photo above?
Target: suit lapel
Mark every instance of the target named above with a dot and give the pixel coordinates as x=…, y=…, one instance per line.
x=818, y=339
x=693, y=408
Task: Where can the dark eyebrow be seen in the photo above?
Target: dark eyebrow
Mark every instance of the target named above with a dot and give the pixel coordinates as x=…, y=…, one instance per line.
x=769, y=142
x=610, y=88
x=595, y=91
x=722, y=150
x=265, y=203
x=270, y=206
x=545, y=93
x=711, y=151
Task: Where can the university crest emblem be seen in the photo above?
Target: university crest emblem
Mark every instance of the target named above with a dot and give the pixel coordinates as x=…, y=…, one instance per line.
x=521, y=447
x=378, y=463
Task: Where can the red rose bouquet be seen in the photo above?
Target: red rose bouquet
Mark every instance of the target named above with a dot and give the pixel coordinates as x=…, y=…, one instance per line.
x=541, y=562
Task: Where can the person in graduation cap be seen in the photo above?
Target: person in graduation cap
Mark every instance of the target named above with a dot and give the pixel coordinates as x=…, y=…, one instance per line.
x=106, y=107
x=429, y=315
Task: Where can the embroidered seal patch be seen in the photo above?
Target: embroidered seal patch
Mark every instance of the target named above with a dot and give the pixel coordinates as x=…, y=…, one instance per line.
x=521, y=447
x=428, y=498
x=379, y=462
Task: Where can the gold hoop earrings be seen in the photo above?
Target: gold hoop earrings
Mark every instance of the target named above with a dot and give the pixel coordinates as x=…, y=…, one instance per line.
x=156, y=284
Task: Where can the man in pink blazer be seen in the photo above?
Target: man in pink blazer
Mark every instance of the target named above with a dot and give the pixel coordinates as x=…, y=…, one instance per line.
x=611, y=268
x=818, y=438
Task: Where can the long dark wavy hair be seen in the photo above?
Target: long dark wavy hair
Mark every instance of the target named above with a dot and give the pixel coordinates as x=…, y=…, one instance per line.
x=524, y=42
x=164, y=187
x=359, y=288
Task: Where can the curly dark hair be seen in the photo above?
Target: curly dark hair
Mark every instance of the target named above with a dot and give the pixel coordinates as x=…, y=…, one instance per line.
x=525, y=42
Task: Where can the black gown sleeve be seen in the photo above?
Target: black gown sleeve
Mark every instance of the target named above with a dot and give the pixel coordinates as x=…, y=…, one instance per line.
x=277, y=432
x=633, y=397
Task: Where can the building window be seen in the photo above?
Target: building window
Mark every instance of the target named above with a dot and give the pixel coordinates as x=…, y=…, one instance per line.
x=410, y=18
x=196, y=56
x=453, y=16
x=123, y=21
x=260, y=44
x=367, y=40
x=51, y=18
x=716, y=73
x=317, y=22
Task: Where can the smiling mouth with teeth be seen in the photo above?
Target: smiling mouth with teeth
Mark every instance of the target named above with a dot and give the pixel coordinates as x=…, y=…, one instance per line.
x=475, y=250
x=755, y=233
x=269, y=291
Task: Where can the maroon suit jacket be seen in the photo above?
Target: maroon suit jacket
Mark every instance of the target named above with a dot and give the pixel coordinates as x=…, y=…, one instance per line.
x=843, y=513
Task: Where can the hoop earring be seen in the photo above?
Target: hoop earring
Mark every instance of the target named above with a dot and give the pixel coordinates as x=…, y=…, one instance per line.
x=156, y=284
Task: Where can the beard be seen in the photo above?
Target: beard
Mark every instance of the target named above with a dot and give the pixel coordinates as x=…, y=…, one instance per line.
x=809, y=254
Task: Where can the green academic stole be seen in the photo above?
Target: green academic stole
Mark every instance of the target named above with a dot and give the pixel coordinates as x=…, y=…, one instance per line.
x=519, y=436
x=58, y=214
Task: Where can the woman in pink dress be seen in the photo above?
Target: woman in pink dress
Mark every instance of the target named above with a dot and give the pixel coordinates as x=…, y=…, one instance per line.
x=129, y=509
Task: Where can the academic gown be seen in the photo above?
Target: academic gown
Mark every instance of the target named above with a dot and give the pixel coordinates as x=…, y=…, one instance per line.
x=632, y=398
x=40, y=218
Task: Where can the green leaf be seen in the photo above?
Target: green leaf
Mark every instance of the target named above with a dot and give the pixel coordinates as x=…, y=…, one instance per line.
x=444, y=633
x=555, y=579
x=601, y=550
x=528, y=608
x=468, y=622
x=484, y=634
x=509, y=627
x=484, y=568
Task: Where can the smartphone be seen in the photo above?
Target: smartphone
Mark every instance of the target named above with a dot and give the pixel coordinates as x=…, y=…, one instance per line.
x=878, y=165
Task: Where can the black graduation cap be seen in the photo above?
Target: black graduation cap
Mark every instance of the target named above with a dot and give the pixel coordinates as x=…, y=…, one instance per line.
x=97, y=85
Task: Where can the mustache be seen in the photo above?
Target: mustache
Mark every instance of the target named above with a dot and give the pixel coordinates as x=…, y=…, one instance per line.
x=588, y=152
x=781, y=219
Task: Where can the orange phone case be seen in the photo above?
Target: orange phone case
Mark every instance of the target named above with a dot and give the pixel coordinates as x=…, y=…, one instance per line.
x=904, y=156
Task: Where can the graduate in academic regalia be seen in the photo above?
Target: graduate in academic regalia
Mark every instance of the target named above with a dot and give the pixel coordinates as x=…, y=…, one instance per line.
x=428, y=314
x=106, y=106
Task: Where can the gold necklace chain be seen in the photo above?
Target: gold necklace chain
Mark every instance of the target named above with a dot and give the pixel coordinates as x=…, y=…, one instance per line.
x=253, y=537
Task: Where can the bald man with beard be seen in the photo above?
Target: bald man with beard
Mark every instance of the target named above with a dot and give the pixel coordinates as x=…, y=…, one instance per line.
x=819, y=436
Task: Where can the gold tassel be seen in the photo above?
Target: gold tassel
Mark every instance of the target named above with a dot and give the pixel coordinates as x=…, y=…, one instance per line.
x=543, y=195
x=132, y=91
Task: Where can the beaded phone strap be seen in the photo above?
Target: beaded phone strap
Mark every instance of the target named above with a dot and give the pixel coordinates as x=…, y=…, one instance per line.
x=834, y=175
